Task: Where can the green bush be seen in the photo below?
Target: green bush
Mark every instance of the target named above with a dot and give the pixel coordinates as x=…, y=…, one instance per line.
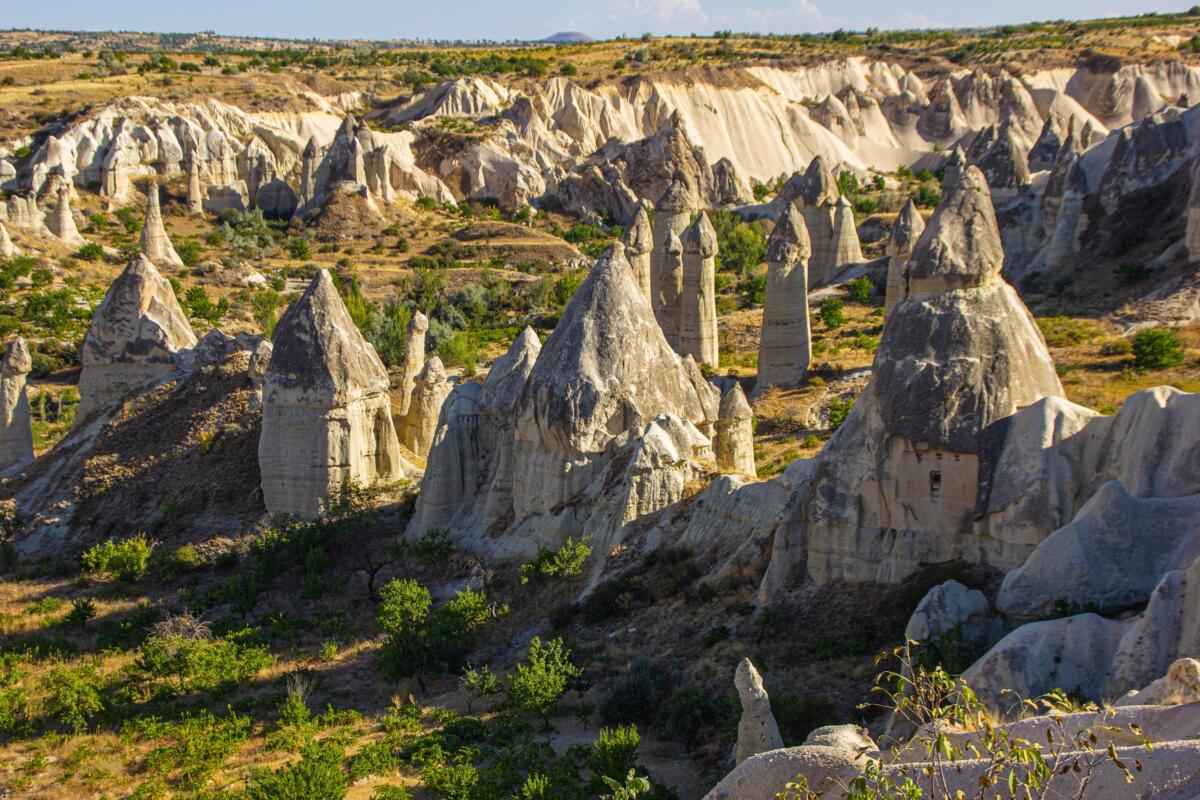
x=832, y=313
x=434, y=548
x=691, y=714
x=422, y=642
x=317, y=775
x=453, y=779
x=1128, y=273
x=539, y=682
x=73, y=695
x=614, y=752
x=839, y=409
x=126, y=559
x=189, y=251
x=798, y=715
x=861, y=289
x=1157, y=348
x=565, y=562
x=190, y=663
x=91, y=252
x=637, y=695
x=740, y=246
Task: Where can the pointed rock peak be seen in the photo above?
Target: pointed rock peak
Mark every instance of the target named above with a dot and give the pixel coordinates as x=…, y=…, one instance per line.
x=734, y=404
x=7, y=248
x=674, y=246
x=348, y=127
x=906, y=231
x=319, y=355
x=952, y=169
x=820, y=184
x=506, y=379
x=638, y=237
x=312, y=148
x=675, y=199
x=842, y=202
x=433, y=371
x=700, y=237
x=419, y=323
x=747, y=680
x=961, y=247
x=139, y=319
x=17, y=360
x=789, y=241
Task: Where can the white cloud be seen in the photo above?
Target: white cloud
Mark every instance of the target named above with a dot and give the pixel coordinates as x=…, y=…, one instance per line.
x=797, y=16
x=664, y=16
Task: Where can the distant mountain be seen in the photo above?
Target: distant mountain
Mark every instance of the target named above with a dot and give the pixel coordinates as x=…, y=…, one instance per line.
x=568, y=37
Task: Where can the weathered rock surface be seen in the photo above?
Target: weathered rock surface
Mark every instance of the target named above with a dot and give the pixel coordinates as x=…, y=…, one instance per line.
x=638, y=239
x=7, y=248
x=16, y=434
x=943, y=608
x=1180, y=686
x=785, y=346
x=698, y=299
x=906, y=232
x=757, y=730
x=154, y=243
x=135, y=333
x=414, y=358
x=60, y=221
x=326, y=411
x=733, y=440
x=419, y=423
x=672, y=215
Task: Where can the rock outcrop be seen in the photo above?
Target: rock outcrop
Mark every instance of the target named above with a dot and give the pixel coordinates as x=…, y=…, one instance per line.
x=785, y=346
x=414, y=359
x=16, y=433
x=135, y=333
x=945, y=607
x=698, y=300
x=419, y=423
x=154, y=243
x=906, y=231
x=195, y=191
x=7, y=248
x=846, y=247
x=326, y=411
x=638, y=239
x=60, y=221
x=899, y=484
x=672, y=215
x=757, y=730
x=733, y=440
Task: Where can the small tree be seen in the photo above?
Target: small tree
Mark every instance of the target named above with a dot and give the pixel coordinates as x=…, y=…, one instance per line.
x=538, y=683
x=1157, y=348
x=860, y=289
x=832, y=313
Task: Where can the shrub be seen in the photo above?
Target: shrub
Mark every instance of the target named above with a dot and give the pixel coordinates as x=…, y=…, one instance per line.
x=637, y=695
x=614, y=752
x=404, y=604
x=317, y=775
x=82, y=609
x=73, y=695
x=126, y=559
x=434, y=548
x=832, y=313
x=565, y=562
x=91, y=252
x=798, y=715
x=454, y=779
x=1157, y=348
x=740, y=246
x=689, y=714
x=189, y=662
x=839, y=409
x=189, y=251
x=861, y=289
x=539, y=682
x=389, y=792
x=1128, y=273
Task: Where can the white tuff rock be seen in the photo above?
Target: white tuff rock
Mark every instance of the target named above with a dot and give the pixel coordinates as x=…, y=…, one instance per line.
x=733, y=441
x=785, y=347
x=698, y=300
x=757, y=729
x=16, y=435
x=155, y=243
x=419, y=423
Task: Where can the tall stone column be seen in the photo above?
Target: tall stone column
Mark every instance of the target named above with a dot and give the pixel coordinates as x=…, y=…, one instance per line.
x=16, y=434
x=639, y=246
x=698, y=301
x=905, y=232
x=671, y=216
x=785, y=346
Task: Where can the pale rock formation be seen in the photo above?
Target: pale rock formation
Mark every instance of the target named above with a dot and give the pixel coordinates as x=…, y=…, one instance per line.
x=785, y=346
x=260, y=359
x=61, y=221
x=672, y=215
x=419, y=423
x=195, y=191
x=1181, y=685
x=7, y=248
x=326, y=413
x=1192, y=237
x=757, y=729
x=906, y=231
x=698, y=302
x=1044, y=152
x=1005, y=164
x=944, y=607
x=638, y=239
x=414, y=358
x=155, y=243
x=846, y=247
x=16, y=435
x=960, y=353
x=727, y=186
x=135, y=333
x=21, y=211
x=761, y=777
x=1169, y=629
x=469, y=470
x=733, y=440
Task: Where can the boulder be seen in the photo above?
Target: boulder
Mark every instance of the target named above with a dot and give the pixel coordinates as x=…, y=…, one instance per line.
x=698, y=300
x=733, y=441
x=326, y=410
x=944, y=607
x=135, y=333
x=1180, y=686
x=785, y=345
x=154, y=243
x=1169, y=629
x=757, y=729
x=16, y=434
x=419, y=423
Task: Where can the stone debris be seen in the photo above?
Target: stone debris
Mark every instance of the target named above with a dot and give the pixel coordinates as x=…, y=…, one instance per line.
x=419, y=423
x=16, y=434
x=733, y=440
x=155, y=243
x=785, y=347
x=757, y=729
x=326, y=410
x=698, y=299
x=135, y=333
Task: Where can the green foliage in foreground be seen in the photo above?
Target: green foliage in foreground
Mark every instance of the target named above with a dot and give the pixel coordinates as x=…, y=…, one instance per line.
x=126, y=558
x=1157, y=348
x=565, y=562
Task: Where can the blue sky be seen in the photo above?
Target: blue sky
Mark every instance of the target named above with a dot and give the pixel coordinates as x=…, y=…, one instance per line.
x=497, y=19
